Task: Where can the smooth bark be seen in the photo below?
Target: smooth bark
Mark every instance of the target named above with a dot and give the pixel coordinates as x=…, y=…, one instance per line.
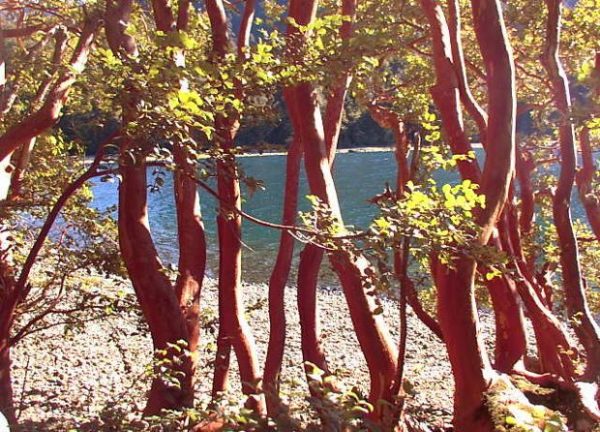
x=278, y=280
x=311, y=257
x=153, y=288
x=45, y=117
x=580, y=316
x=192, y=248
x=353, y=270
x=470, y=365
x=234, y=331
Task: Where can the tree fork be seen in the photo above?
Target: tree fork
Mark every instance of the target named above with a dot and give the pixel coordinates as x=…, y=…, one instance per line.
x=234, y=331
x=583, y=323
x=312, y=256
x=278, y=280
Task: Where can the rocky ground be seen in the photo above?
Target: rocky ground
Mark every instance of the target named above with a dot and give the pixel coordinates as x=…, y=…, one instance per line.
x=67, y=378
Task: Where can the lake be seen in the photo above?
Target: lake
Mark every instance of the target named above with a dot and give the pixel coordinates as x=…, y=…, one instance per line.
x=358, y=176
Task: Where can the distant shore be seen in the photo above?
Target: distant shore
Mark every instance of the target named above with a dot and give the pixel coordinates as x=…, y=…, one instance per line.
x=258, y=153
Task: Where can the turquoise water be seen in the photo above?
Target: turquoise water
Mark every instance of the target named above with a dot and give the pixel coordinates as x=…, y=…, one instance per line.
x=358, y=176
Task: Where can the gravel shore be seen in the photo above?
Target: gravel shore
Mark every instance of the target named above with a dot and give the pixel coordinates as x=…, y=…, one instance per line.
x=67, y=378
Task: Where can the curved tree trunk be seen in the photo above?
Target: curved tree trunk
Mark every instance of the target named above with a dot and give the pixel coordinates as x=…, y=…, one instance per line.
x=510, y=331
x=278, y=280
x=52, y=103
x=16, y=136
x=312, y=256
x=48, y=114
x=192, y=249
x=21, y=161
x=466, y=97
x=190, y=228
x=351, y=269
x=153, y=289
x=585, y=177
x=557, y=354
x=583, y=323
x=470, y=365
x=234, y=331
x=159, y=301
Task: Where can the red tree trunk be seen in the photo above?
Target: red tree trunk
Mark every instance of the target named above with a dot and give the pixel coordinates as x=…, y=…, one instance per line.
x=192, y=248
x=352, y=270
x=23, y=155
x=312, y=256
x=278, y=280
x=6, y=393
x=159, y=301
x=153, y=289
x=190, y=228
x=553, y=344
x=468, y=100
x=585, y=178
x=470, y=365
x=29, y=128
x=585, y=327
x=42, y=119
x=234, y=331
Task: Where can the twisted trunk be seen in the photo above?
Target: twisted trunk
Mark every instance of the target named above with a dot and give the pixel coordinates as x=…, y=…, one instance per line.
x=586, y=329
x=312, y=256
x=352, y=270
x=470, y=365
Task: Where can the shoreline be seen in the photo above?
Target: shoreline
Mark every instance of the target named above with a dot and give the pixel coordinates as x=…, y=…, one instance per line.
x=254, y=153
